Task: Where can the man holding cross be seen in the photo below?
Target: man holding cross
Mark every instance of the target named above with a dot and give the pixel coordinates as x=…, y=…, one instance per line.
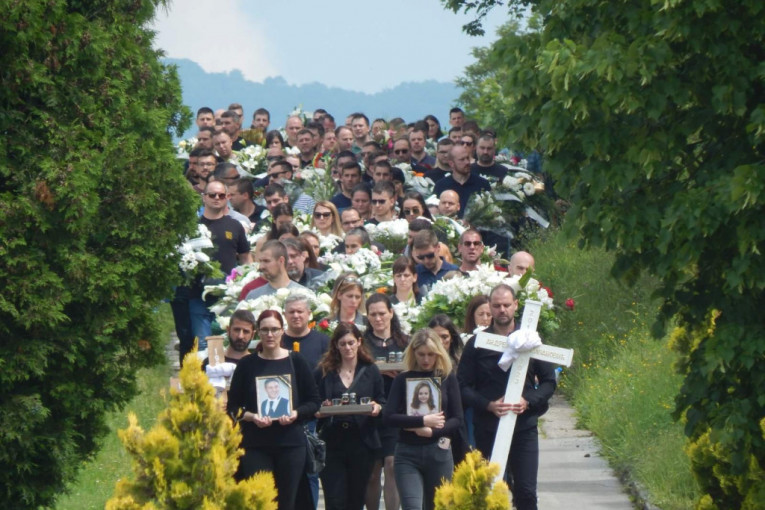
x=484, y=384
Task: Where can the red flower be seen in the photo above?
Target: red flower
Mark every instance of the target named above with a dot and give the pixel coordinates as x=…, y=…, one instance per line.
x=547, y=289
x=324, y=324
x=570, y=304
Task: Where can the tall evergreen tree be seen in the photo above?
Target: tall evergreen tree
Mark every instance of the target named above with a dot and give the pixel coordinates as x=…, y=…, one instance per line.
x=92, y=201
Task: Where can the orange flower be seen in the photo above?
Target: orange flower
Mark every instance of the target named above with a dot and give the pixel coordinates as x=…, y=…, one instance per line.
x=311, y=324
x=382, y=290
x=418, y=174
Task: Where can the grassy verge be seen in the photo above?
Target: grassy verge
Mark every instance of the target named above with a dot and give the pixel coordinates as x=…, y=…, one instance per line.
x=622, y=383
x=97, y=478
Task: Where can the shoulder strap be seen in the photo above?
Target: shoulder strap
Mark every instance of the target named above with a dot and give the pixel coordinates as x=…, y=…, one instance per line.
x=358, y=377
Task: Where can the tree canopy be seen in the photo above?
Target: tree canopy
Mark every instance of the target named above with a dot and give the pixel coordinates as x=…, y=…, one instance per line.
x=651, y=118
x=92, y=203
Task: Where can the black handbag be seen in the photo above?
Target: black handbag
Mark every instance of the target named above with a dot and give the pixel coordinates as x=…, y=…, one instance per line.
x=317, y=453
x=315, y=446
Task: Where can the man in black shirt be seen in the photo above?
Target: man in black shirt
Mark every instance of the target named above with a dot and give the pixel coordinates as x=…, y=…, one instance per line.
x=241, y=195
x=461, y=180
x=483, y=385
x=485, y=165
x=231, y=249
x=311, y=344
x=443, y=156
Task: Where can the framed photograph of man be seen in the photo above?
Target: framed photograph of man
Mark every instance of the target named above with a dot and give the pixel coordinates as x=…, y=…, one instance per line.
x=274, y=395
x=423, y=396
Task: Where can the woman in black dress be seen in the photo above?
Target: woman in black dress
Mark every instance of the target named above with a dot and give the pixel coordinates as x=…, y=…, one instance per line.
x=383, y=335
x=351, y=440
x=261, y=384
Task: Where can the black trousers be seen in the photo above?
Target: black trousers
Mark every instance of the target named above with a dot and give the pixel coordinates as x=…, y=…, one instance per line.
x=348, y=468
x=287, y=465
x=522, y=465
x=182, y=319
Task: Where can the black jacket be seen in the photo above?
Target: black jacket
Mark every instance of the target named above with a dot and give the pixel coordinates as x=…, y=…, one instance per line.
x=370, y=384
x=482, y=381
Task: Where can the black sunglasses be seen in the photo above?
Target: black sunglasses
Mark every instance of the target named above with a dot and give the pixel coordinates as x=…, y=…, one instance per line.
x=322, y=214
x=219, y=196
x=429, y=256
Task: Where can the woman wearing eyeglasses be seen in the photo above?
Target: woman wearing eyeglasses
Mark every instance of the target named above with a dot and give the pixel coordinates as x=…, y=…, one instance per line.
x=259, y=386
x=326, y=220
x=352, y=440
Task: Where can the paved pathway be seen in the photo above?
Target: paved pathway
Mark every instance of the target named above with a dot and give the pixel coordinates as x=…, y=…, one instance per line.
x=572, y=475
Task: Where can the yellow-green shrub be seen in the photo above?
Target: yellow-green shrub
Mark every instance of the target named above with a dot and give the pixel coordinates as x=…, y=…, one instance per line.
x=473, y=488
x=188, y=459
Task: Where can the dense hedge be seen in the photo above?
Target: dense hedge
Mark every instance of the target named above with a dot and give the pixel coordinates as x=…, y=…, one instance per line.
x=91, y=203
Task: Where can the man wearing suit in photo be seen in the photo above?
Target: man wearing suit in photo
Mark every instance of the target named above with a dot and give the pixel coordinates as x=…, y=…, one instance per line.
x=275, y=405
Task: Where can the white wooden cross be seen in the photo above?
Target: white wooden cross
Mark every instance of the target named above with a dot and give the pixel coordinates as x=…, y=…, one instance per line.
x=515, y=383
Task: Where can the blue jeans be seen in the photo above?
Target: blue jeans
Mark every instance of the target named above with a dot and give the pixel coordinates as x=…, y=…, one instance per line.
x=419, y=470
x=201, y=321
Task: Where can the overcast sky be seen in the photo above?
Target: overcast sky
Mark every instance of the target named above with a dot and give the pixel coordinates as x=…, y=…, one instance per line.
x=353, y=44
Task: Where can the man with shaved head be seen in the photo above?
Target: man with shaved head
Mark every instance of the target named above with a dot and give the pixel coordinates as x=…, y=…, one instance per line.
x=520, y=262
x=449, y=203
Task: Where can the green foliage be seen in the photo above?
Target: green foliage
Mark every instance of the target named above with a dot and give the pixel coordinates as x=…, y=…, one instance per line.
x=188, y=459
x=92, y=201
x=652, y=122
x=473, y=488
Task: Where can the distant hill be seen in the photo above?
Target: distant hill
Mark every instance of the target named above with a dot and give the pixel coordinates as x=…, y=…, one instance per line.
x=410, y=100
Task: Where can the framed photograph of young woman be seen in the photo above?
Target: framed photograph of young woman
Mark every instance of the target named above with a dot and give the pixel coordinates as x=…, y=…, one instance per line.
x=423, y=396
x=274, y=395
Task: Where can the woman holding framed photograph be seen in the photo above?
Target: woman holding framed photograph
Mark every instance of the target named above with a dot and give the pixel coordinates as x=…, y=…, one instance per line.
x=423, y=452
x=272, y=393
x=352, y=439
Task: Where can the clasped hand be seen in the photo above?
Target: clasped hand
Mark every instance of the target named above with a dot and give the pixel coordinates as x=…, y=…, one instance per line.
x=499, y=408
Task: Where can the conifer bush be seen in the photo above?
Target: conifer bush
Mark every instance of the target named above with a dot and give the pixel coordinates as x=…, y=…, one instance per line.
x=188, y=459
x=473, y=488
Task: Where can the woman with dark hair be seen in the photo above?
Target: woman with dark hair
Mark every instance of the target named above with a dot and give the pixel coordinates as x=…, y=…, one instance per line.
x=413, y=207
x=274, y=444
x=477, y=314
x=283, y=216
x=434, y=128
x=274, y=139
x=424, y=446
x=384, y=335
x=351, y=440
x=449, y=335
x=405, y=289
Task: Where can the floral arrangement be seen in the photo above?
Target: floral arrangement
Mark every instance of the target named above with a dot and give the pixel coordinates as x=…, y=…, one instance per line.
x=393, y=235
x=195, y=263
x=318, y=303
x=229, y=291
x=298, y=111
x=526, y=188
x=451, y=296
x=365, y=263
x=252, y=159
x=416, y=181
x=452, y=229
x=485, y=211
x=317, y=183
x=184, y=147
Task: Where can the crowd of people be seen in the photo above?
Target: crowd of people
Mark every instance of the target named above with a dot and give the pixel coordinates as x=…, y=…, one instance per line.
x=447, y=396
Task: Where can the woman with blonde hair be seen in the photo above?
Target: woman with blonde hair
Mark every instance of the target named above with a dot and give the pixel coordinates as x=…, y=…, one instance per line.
x=347, y=300
x=423, y=456
x=326, y=219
